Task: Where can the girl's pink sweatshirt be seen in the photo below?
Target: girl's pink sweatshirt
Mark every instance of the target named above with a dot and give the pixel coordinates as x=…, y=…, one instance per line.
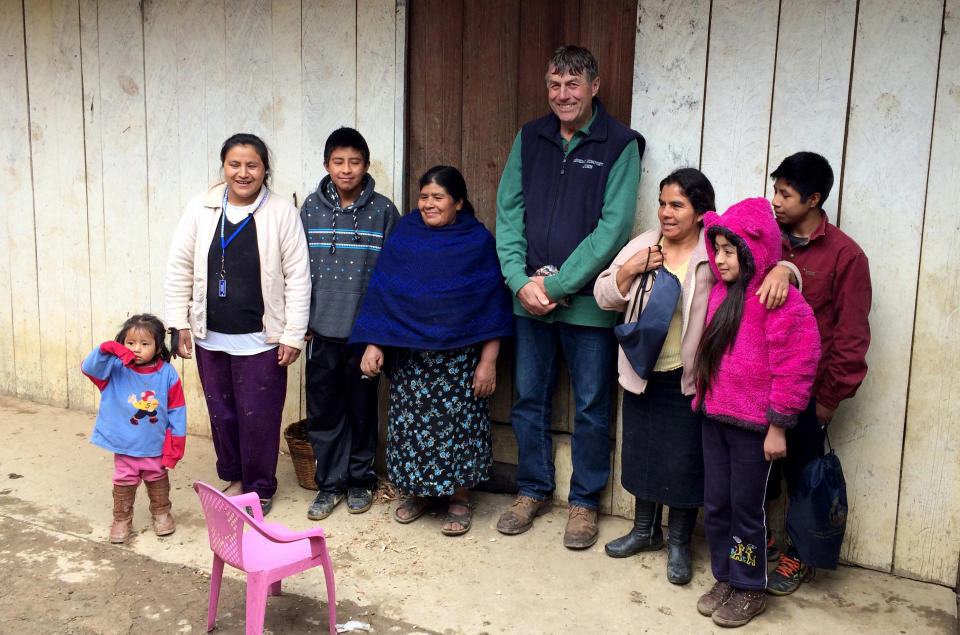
x=767, y=375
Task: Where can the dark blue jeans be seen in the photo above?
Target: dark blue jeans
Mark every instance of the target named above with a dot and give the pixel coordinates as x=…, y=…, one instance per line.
x=590, y=354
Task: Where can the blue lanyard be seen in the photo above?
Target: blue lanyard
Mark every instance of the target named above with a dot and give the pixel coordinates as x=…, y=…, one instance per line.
x=222, y=291
x=223, y=220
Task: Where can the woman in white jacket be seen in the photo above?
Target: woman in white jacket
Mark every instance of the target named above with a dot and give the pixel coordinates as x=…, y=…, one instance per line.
x=238, y=284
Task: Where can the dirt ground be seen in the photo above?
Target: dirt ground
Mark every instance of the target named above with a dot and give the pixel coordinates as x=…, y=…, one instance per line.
x=62, y=576
x=73, y=585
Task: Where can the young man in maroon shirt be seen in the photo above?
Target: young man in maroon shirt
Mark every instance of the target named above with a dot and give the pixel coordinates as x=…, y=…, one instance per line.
x=836, y=284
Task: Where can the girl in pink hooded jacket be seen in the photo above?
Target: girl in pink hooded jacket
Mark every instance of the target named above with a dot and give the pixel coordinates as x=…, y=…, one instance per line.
x=754, y=372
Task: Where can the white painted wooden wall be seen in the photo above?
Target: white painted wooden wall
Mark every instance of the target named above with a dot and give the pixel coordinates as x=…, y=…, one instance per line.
x=732, y=87
x=114, y=115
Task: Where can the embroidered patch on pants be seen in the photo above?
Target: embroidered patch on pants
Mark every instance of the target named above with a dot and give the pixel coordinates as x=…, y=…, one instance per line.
x=745, y=553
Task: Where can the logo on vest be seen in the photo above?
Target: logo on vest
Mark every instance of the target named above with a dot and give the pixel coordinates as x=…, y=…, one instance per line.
x=588, y=164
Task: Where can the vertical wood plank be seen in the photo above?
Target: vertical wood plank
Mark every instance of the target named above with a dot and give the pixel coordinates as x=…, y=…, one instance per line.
x=608, y=29
x=891, y=103
x=63, y=274
x=435, y=98
x=377, y=91
x=19, y=366
x=490, y=64
x=668, y=85
x=249, y=75
x=200, y=94
x=287, y=98
x=930, y=474
x=743, y=36
x=544, y=25
x=329, y=80
x=814, y=54
x=400, y=107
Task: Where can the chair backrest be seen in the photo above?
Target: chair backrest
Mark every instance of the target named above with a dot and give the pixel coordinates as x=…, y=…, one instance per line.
x=225, y=522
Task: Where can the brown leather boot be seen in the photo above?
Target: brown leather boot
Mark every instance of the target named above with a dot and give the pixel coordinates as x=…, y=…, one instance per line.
x=159, y=493
x=520, y=516
x=581, y=531
x=123, y=497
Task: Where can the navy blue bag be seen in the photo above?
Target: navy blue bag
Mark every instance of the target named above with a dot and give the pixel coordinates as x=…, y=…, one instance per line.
x=817, y=517
x=642, y=338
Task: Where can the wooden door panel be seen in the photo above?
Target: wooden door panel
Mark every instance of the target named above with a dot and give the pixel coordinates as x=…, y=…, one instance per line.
x=434, y=89
x=476, y=74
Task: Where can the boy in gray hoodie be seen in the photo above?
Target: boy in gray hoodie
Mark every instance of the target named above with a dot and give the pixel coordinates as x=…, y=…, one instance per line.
x=346, y=222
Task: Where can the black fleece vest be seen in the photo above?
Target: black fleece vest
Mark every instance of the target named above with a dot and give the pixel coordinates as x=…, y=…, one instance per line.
x=563, y=195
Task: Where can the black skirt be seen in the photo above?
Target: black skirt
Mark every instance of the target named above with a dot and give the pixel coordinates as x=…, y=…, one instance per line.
x=662, y=454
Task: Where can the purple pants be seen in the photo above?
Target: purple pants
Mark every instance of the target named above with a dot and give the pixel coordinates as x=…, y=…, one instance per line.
x=734, y=521
x=245, y=395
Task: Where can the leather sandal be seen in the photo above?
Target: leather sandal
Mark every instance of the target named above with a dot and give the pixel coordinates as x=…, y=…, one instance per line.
x=415, y=507
x=464, y=520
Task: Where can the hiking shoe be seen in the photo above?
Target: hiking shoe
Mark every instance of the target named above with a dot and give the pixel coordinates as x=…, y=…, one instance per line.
x=741, y=607
x=581, y=531
x=773, y=551
x=359, y=499
x=519, y=517
x=788, y=575
x=714, y=598
x=322, y=506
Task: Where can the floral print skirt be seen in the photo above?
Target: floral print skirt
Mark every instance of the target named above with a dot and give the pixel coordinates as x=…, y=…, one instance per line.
x=438, y=433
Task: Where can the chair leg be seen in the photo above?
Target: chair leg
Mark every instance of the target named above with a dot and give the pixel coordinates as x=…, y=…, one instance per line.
x=274, y=588
x=216, y=577
x=331, y=593
x=256, y=604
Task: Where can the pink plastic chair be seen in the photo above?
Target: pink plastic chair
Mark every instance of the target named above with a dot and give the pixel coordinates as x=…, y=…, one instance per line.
x=268, y=552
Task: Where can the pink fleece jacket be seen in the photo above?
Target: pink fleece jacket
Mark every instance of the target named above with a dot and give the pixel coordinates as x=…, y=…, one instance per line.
x=767, y=375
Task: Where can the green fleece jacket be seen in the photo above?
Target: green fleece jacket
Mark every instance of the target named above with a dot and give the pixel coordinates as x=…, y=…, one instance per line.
x=592, y=255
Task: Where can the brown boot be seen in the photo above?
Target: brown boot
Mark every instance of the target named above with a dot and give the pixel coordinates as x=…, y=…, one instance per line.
x=740, y=608
x=159, y=493
x=581, y=531
x=519, y=517
x=123, y=497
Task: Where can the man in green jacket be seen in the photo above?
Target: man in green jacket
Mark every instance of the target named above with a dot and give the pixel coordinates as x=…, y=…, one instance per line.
x=565, y=206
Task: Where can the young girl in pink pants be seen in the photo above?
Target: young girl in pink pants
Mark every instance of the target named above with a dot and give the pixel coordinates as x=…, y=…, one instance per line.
x=142, y=419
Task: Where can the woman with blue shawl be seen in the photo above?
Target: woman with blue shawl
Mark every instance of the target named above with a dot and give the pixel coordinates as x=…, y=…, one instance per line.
x=437, y=303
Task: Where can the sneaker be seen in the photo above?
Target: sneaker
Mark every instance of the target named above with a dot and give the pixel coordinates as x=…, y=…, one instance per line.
x=714, y=598
x=521, y=514
x=773, y=551
x=741, y=607
x=788, y=575
x=581, y=531
x=322, y=506
x=359, y=499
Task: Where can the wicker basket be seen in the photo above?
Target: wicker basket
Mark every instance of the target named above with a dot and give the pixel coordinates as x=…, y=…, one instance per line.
x=304, y=463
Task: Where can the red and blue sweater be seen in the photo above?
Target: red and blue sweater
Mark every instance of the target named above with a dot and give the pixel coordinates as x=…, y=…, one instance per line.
x=767, y=375
x=142, y=410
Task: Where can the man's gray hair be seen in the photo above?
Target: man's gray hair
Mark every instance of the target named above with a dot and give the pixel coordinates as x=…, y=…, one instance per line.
x=574, y=60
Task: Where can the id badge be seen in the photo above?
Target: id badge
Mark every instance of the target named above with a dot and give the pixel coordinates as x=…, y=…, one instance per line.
x=223, y=288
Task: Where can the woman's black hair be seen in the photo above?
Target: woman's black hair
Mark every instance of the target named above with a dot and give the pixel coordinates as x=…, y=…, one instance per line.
x=450, y=179
x=152, y=325
x=723, y=328
x=695, y=186
x=255, y=142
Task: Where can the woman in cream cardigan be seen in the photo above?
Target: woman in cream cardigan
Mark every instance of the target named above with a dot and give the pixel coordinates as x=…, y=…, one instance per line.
x=662, y=453
x=238, y=285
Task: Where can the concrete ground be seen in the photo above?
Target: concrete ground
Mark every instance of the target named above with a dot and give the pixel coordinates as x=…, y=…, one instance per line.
x=62, y=576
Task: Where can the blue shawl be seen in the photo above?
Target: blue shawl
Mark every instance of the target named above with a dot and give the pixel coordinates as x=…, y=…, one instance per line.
x=435, y=288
